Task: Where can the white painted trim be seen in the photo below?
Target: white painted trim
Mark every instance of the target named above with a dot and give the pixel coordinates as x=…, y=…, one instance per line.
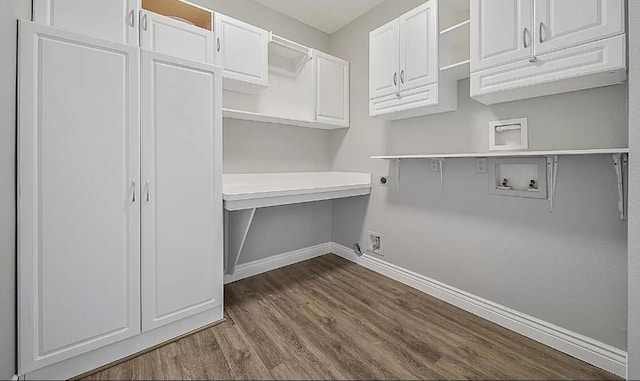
x=584, y=348
x=246, y=270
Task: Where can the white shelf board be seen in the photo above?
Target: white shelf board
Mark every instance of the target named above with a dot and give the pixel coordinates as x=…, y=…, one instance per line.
x=259, y=190
x=257, y=117
x=460, y=25
x=597, y=151
x=458, y=70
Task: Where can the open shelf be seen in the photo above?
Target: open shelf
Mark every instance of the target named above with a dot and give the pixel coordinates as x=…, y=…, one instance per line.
x=258, y=117
x=454, y=50
x=452, y=13
x=286, y=56
x=596, y=151
x=458, y=70
x=458, y=26
x=181, y=10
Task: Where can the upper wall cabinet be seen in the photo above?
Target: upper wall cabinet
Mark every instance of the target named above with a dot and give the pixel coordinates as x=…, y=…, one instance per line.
x=166, y=26
x=527, y=48
x=307, y=88
x=502, y=31
x=409, y=59
x=112, y=20
x=384, y=60
x=331, y=88
x=242, y=51
x=167, y=35
x=561, y=24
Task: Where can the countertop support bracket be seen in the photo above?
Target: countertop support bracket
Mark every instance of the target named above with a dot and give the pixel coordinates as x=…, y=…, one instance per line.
x=238, y=224
x=620, y=165
x=397, y=177
x=441, y=167
x=553, y=162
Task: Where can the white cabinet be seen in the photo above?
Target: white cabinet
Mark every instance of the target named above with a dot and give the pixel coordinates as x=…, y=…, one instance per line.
x=404, y=67
x=182, y=265
x=562, y=24
x=528, y=48
x=79, y=200
x=384, y=60
x=242, y=52
x=419, y=47
x=307, y=88
x=177, y=38
x=502, y=32
x=120, y=243
x=113, y=20
x=331, y=84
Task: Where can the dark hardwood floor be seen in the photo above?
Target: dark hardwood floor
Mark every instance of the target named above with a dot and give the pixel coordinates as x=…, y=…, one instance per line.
x=327, y=318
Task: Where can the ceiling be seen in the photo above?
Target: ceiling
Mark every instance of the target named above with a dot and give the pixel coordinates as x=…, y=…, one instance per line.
x=328, y=16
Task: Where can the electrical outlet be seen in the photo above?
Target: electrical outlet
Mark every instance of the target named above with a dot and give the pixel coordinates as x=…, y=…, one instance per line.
x=375, y=244
x=434, y=166
x=383, y=180
x=481, y=165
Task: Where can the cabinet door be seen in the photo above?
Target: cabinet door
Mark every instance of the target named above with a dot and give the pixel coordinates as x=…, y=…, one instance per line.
x=166, y=35
x=331, y=84
x=419, y=46
x=242, y=50
x=501, y=32
x=561, y=24
x=384, y=60
x=112, y=20
x=78, y=203
x=182, y=261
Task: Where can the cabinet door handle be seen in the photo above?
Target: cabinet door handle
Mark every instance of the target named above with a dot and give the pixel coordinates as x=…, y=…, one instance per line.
x=541, y=31
x=144, y=22
x=132, y=19
x=133, y=185
x=524, y=37
x=148, y=190
x=402, y=76
x=395, y=79
x=218, y=44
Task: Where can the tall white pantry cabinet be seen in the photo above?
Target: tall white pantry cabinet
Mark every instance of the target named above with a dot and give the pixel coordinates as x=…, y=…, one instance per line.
x=119, y=202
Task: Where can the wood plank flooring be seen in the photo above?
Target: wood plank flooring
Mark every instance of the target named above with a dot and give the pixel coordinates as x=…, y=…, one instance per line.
x=328, y=318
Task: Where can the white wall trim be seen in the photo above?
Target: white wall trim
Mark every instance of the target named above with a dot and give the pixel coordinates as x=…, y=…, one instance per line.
x=246, y=270
x=584, y=348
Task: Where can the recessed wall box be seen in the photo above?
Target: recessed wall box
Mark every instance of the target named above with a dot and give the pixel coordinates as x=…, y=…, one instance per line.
x=505, y=135
x=520, y=177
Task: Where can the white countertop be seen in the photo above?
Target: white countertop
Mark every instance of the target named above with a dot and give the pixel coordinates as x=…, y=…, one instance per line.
x=246, y=191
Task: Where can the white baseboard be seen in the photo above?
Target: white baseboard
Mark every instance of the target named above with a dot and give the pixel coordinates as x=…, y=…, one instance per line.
x=599, y=354
x=273, y=262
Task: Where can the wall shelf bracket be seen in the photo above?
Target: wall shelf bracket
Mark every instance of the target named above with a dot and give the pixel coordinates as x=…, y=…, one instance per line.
x=620, y=165
x=441, y=167
x=237, y=228
x=553, y=162
x=397, y=177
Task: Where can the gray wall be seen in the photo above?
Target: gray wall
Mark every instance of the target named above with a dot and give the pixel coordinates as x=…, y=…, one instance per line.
x=567, y=268
x=634, y=189
x=251, y=147
x=10, y=11
x=286, y=228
